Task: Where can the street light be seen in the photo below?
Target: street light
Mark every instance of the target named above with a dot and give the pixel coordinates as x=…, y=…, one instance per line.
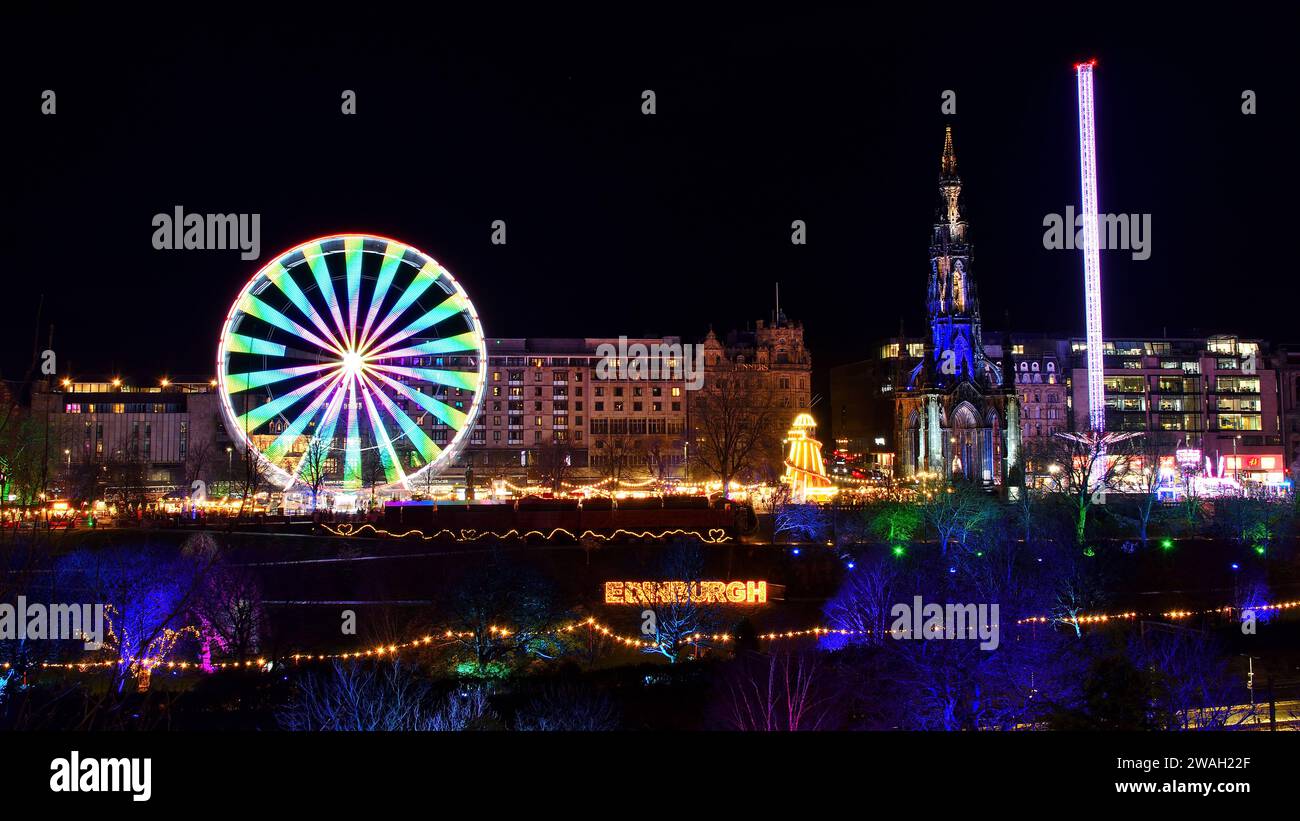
x=1236, y=459
x=1250, y=683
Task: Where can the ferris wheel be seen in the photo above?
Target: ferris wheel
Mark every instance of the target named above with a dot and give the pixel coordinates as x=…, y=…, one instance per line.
x=353, y=358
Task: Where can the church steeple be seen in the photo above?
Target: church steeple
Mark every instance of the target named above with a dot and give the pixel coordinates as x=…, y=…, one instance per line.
x=954, y=418
x=953, y=300
x=950, y=191
x=948, y=163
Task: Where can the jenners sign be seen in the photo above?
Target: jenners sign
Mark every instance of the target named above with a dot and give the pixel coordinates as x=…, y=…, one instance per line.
x=694, y=592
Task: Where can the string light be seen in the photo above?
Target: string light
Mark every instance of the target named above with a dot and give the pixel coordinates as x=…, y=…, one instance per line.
x=715, y=535
x=392, y=650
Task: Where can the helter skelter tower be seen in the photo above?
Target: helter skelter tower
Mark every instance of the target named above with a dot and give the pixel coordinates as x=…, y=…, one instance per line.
x=1095, y=439
x=804, y=472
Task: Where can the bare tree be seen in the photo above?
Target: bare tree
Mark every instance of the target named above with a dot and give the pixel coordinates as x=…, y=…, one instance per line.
x=390, y=697
x=778, y=692
x=147, y=594
x=615, y=461
x=732, y=423
x=1146, y=483
x=255, y=477
x=661, y=459
x=1081, y=469
x=1193, y=687
x=863, y=602
x=227, y=607
x=1077, y=585
x=199, y=457
x=84, y=482
x=803, y=522
x=315, y=459
x=554, y=464
x=957, y=512
x=568, y=708
x=127, y=472
x=503, y=612
x=671, y=624
x=372, y=471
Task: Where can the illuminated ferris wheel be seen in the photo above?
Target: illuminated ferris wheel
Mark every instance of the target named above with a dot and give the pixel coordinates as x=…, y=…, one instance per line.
x=352, y=358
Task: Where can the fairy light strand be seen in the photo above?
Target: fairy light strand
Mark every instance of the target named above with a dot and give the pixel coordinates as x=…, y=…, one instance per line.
x=389, y=651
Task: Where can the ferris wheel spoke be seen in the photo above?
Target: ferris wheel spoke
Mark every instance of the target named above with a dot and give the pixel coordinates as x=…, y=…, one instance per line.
x=427, y=448
x=262, y=414
x=282, y=279
x=387, y=454
x=393, y=255
x=352, y=446
x=330, y=421
x=425, y=277
x=318, y=367
x=452, y=417
x=324, y=431
x=286, y=439
x=450, y=306
x=352, y=256
x=239, y=382
x=467, y=341
x=320, y=271
x=465, y=380
x=239, y=343
x=255, y=307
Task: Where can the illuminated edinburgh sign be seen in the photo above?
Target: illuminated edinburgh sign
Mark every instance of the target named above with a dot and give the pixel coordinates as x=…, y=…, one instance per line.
x=750, y=592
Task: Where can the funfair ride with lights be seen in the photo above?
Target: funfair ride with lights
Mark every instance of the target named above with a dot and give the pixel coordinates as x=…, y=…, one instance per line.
x=804, y=472
x=1095, y=440
x=324, y=355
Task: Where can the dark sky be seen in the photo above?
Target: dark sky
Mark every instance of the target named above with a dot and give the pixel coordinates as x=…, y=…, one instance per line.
x=619, y=223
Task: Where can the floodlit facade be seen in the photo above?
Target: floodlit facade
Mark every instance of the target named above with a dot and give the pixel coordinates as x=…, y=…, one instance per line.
x=954, y=417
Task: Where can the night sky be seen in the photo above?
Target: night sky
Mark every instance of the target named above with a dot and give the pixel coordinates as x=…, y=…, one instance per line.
x=620, y=223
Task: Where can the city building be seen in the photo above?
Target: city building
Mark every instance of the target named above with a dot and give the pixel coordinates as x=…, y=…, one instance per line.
x=862, y=407
x=155, y=437
x=954, y=417
x=774, y=366
x=550, y=411
x=547, y=399
x=1217, y=396
x=1040, y=366
x=1286, y=361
